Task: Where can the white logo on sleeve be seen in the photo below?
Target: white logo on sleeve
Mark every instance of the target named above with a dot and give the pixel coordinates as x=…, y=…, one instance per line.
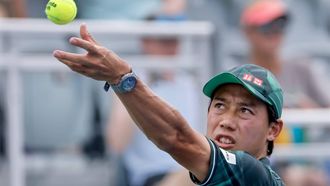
x=230, y=157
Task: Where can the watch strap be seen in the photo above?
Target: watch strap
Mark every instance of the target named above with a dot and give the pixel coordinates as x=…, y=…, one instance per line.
x=106, y=86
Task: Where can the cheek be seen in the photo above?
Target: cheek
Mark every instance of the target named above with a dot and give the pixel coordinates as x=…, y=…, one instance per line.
x=254, y=132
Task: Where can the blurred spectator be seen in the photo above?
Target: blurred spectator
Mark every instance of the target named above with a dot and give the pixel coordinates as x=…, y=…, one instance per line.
x=3, y=11
x=303, y=175
x=12, y=8
x=264, y=23
x=31, y=8
x=146, y=165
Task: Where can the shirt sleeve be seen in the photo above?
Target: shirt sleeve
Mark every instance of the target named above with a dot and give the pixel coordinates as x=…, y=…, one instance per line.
x=234, y=168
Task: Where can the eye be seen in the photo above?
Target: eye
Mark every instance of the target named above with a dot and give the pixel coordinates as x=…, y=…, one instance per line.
x=219, y=106
x=247, y=110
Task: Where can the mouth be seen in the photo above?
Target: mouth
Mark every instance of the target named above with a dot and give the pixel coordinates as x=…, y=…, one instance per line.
x=225, y=141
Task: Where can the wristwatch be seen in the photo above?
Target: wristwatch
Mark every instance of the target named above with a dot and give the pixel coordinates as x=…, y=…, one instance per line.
x=126, y=84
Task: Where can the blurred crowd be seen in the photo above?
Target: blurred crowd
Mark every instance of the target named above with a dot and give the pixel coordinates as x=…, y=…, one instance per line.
x=269, y=33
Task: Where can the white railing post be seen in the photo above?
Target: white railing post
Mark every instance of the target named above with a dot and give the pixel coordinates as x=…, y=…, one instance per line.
x=15, y=142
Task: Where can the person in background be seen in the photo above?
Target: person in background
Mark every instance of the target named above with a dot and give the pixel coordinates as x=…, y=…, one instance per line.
x=304, y=175
x=3, y=11
x=264, y=23
x=13, y=8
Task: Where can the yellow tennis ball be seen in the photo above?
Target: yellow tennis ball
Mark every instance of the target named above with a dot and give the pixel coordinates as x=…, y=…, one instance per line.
x=61, y=11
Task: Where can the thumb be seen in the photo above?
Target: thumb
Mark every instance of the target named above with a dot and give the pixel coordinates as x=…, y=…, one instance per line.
x=86, y=35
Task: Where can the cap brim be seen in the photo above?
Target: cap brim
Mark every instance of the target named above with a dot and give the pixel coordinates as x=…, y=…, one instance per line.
x=227, y=78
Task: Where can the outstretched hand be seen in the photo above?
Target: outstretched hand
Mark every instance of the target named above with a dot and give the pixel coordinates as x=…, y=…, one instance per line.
x=98, y=62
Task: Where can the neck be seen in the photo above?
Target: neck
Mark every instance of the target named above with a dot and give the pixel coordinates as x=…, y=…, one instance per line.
x=270, y=61
x=261, y=154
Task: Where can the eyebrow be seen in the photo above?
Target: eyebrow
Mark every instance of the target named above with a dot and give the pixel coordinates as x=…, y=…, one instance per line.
x=241, y=103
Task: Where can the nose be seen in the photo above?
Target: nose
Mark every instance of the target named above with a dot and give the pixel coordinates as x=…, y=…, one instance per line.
x=227, y=126
x=228, y=122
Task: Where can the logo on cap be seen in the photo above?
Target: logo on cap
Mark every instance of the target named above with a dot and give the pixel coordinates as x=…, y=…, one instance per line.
x=251, y=78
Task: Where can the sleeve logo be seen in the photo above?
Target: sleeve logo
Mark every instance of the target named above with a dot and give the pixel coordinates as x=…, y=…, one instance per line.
x=230, y=157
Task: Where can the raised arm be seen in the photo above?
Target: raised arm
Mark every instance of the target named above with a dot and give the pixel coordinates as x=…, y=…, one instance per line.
x=161, y=123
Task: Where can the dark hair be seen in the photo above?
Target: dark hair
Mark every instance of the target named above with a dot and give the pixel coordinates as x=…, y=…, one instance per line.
x=271, y=119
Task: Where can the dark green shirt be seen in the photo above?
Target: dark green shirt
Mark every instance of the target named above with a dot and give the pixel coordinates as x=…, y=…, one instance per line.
x=237, y=169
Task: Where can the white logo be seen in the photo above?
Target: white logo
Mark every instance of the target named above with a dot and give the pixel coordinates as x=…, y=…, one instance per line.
x=230, y=157
x=251, y=78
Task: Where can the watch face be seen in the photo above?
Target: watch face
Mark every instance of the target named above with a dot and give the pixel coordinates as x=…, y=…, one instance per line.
x=129, y=83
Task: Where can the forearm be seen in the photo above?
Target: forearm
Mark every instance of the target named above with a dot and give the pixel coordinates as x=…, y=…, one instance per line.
x=161, y=123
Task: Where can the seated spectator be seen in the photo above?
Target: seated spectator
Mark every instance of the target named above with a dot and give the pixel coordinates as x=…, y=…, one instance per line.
x=3, y=11
x=12, y=8
x=303, y=175
x=264, y=23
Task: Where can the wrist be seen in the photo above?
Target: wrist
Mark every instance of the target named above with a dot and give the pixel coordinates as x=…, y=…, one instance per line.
x=115, y=78
x=126, y=83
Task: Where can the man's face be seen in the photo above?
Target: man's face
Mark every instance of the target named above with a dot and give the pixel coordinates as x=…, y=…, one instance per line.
x=267, y=43
x=237, y=120
x=266, y=38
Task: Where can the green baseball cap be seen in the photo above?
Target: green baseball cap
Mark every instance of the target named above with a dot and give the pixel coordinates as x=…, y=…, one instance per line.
x=257, y=80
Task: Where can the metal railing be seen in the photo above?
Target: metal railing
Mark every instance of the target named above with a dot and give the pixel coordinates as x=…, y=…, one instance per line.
x=19, y=36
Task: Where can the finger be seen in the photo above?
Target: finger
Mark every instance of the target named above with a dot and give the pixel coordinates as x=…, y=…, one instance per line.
x=71, y=57
x=80, y=68
x=87, y=45
x=85, y=34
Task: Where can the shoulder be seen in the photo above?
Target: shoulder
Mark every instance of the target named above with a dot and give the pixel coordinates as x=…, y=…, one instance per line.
x=236, y=168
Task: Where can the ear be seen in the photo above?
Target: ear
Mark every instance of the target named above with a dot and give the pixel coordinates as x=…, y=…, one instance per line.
x=274, y=129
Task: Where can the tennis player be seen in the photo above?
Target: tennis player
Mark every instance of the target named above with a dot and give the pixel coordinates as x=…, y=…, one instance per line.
x=242, y=123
